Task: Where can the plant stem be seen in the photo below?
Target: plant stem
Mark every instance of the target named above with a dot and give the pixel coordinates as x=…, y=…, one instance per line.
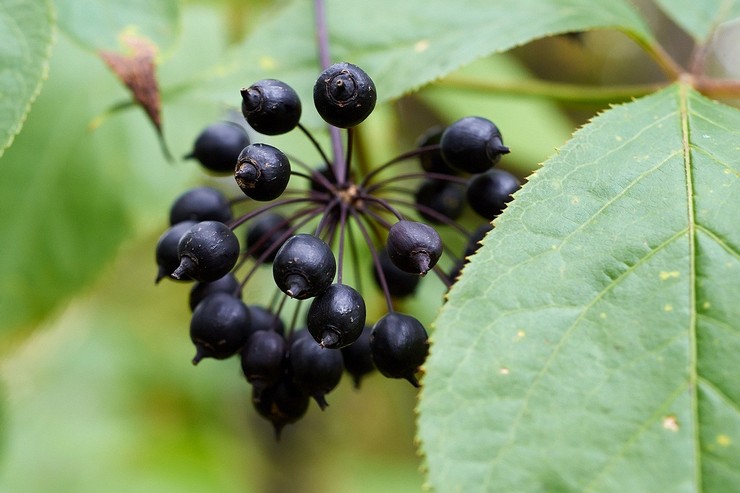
x=569, y=93
x=322, y=35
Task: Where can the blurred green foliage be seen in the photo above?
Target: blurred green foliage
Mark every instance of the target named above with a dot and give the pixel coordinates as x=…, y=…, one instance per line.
x=96, y=388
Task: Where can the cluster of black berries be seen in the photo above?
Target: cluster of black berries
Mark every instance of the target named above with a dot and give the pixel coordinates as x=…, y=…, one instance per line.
x=288, y=367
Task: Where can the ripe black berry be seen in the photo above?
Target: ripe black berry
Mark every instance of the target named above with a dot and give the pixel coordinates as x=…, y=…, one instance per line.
x=344, y=95
x=489, y=192
x=207, y=251
x=263, y=358
x=266, y=234
x=315, y=370
x=432, y=161
x=304, y=266
x=440, y=199
x=358, y=360
x=336, y=316
x=201, y=204
x=399, y=283
x=227, y=284
x=219, y=326
x=218, y=146
x=399, y=346
x=166, y=251
x=262, y=172
x=271, y=107
x=413, y=247
x=264, y=319
x=472, y=144
x=281, y=404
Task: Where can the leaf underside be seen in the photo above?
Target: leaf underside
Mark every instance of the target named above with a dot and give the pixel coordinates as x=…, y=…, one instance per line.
x=700, y=19
x=592, y=343
x=402, y=46
x=26, y=34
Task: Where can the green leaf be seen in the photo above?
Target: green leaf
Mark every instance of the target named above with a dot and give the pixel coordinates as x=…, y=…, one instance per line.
x=700, y=19
x=98, y=24
x=71, y=195
x=534, y=126
x=26, y=35
x=592, y=343
x=403, y=46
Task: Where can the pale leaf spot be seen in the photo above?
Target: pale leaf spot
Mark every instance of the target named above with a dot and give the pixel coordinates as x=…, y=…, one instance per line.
x=664, y=275
x=421, y=45
x=670, y=423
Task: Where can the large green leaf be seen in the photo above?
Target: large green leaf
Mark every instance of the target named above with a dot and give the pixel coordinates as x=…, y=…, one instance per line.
x=403, y=45
x=26, y=32
x=70, y=195
x=98, y=24
x=592, y=343
x=700, y=19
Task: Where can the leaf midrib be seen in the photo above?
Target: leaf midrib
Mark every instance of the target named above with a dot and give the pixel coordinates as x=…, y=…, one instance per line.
x=683, y=95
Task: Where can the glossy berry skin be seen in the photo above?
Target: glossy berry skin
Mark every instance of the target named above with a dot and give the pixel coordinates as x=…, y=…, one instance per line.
x=315, y=370
x=413, y=247
x=399, y=346
x=166, y=251
x=263, y=358
x=472, y=144
x=201, y=204
x=219, y=327
x=399, y=283
x=218, y=146
x=489, y=192
x=304, y=266
x=207, y=251
x=358, y=360
x=438, y=200
x=264, y=319
x=281, y=404
x=262, y=172
x=271, y=107
x=336, y=316
x=266, y=234
x=432, y=161
x=344, y=95
x=227, y=284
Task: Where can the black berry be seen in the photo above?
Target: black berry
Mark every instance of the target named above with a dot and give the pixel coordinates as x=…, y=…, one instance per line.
x=399, y=346
x=440, y=199
x=271, y=107
x=304, y=266
x=207, y=251
x=336, y=316
x=266, y=234
x=226, y=284
x=201, y=204
x=413, y=246
x=218, y=146
x=263, y=358
x=472, y=144
x=315, y=370
x=358, y=361
x=344, y=95
x=398, y=282
x=262, y=172
x=281, y=404
x=488, y=193
x=166, y=251
x=219, y=327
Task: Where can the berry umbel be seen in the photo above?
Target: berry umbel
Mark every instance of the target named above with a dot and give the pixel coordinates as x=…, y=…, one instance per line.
x=309, y=224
